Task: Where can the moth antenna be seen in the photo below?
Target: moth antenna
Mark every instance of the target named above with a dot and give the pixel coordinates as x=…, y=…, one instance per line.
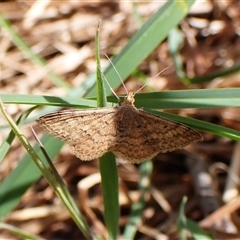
x=116, y=72
x=110, y=86
x=150, y=80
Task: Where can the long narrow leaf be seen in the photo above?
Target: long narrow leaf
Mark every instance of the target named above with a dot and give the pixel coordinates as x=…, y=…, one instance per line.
x=145, y=41
x=59, y=187
x=176, y=99
x=19, y=42
x=108, y=168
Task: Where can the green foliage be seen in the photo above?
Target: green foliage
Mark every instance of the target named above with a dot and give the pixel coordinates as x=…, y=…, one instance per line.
x=139, y=47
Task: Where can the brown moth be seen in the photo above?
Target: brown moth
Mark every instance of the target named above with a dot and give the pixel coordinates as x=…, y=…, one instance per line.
x=132, y=134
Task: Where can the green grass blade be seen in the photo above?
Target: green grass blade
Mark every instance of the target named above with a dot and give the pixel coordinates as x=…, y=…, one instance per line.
x=18, y=232
x=136, y=210
x=137, y=15
x=109, y=183
x=60, y=190
x=185, y=224
x=108, y=168
x=15, y=185
x=5, y=146
x=47, y=100
x=23, y=176
x=19, y=42
x=145, y=41
x=202, y=125
x=182, y=220
x=101, y=93
x=176, y=99
x=175, y=40
x=220, y=73
x=197, y=232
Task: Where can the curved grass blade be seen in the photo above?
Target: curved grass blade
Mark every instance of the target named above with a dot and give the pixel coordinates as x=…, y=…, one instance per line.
x=220, y=73
x=145, y=41
x=23, y=176
x=185, y=224
x=18, y=232
x=19, y=42
x=6, y=191
x=175, y=40
x=7, y=143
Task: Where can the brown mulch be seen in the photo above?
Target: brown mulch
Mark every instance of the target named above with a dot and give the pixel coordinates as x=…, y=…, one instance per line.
x=63, y=32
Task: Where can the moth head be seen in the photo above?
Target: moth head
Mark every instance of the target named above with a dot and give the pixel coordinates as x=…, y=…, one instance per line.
x=129, y=99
